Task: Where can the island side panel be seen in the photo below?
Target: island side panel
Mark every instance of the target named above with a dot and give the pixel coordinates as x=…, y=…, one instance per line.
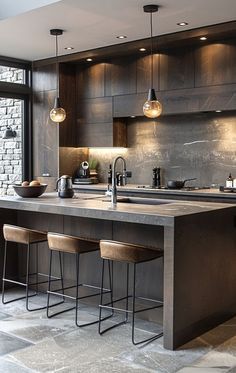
x=200, y=283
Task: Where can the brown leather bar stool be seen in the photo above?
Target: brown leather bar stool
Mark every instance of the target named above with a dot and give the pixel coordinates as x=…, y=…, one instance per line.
x=76, y=246
x=114, y=251
x=26, y=237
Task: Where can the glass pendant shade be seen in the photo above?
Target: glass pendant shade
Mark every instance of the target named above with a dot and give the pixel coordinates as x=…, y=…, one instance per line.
x=152, y=107
x=57, y=114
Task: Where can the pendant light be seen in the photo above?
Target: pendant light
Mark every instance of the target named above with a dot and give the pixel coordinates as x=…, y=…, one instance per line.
x=57, y=114
x=152, y=107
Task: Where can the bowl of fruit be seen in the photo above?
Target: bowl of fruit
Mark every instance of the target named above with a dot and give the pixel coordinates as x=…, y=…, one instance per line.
x=30, y=189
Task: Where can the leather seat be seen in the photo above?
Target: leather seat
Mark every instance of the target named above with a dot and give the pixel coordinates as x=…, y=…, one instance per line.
x=22, y=235
x=126, y=252
x=71, y=244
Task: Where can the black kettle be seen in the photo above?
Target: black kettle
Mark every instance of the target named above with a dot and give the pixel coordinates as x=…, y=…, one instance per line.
x=64, y=187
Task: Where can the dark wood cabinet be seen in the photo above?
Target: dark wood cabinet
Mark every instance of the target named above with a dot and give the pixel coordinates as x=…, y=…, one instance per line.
x=215, y=64
x=176, y=69
x=144, y=73
x=120, y=77
x=90, y=81
x=95, y=124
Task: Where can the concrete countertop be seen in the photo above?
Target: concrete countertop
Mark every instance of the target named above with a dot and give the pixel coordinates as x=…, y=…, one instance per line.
x=92, y=206
x=133, y=188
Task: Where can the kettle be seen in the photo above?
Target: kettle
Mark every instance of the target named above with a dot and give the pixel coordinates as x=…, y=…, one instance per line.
x=64, y=187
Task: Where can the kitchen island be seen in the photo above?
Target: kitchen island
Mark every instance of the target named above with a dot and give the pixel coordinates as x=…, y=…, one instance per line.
x=198, y=239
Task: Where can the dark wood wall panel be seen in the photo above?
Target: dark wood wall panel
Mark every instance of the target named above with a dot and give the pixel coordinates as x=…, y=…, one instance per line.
x=97, y=110
x=44, y=78
x=120, y=77
x=215, y=64
x=176, y=69
x=67, y=129
x=45, y=135
x=90, y=81
x=95, y=134
x=144, y=73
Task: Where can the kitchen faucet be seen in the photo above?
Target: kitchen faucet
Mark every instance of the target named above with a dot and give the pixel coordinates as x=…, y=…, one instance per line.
x=114, y=188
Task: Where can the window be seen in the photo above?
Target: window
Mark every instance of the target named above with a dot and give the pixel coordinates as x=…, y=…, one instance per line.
x=15, y=150
x=11, y=116
x=12, y=74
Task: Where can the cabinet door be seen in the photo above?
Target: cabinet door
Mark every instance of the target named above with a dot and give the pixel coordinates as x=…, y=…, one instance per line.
x=120, y=77
x=94, y=122
x=144, y=73
x=90, y=81
x=215, y=64
x=176, y=70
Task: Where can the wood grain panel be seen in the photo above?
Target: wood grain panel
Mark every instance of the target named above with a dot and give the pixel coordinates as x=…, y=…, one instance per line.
x=120, y=77
x=215, y=64
x=90, y=81
x=95, y=110
x=45, y=136
x=67, y=129
x=144, y=73
x=176, y=69
x=44, y=78
x=95, y=134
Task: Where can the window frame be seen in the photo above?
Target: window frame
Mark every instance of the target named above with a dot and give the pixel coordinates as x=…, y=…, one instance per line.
x=23, y=92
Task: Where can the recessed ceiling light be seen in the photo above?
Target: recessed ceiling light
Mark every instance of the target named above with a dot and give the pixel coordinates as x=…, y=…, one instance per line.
x=182, y=23
x=132, y=116
x=121, y=37
x=142, y=49
x=203, y=38
x=89, y=59
x=218, y=111
x=69, y=48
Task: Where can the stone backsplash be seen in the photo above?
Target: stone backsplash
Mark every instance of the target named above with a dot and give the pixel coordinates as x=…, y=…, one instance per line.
x=184, y=146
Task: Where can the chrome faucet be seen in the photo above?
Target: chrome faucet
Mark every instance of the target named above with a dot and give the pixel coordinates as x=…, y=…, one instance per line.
x=114, y=188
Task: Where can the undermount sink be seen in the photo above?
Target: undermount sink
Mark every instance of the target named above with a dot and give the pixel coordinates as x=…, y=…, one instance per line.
x=140, y=201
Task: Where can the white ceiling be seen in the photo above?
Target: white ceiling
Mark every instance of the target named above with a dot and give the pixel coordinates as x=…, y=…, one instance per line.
x=88, y=24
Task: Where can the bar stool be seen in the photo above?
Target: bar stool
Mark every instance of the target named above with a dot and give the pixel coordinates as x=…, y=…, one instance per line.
x=76, y=246
x=26, y=237
x=114, y=251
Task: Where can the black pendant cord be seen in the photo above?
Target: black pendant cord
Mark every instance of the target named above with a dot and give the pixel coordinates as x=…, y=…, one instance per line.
x=151, y=51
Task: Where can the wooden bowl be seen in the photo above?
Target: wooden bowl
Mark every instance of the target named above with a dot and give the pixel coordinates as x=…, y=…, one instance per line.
x=30, y=191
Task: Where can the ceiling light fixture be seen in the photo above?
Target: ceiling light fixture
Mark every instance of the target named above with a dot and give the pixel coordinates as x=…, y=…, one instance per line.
x=152, y=107
x=89, y=59
x=182, y=23
x=142, y=49
x=218, y=111
x=121, y=37
x=57, y=114
x=69, y=48
x=203, y=38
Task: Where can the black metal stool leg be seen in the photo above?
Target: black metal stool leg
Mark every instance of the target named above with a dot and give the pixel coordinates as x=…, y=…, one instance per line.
x=133, y=302
x=27, y=277
x=49, y=282
x=127, y=294
x=4, y=273
x=61, y=274
x=37, y=268
x=101, y=298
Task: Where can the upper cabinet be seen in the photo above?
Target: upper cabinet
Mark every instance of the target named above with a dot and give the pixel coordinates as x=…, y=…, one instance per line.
x=215, y=64
x=97, y=95
x=176, y=69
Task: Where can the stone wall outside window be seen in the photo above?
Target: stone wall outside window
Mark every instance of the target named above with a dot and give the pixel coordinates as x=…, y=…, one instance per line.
x=10, y=149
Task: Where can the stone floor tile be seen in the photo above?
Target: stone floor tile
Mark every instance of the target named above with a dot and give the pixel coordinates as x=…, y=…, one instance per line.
x=202, y=370
x=11, y=367
x=10, y=343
